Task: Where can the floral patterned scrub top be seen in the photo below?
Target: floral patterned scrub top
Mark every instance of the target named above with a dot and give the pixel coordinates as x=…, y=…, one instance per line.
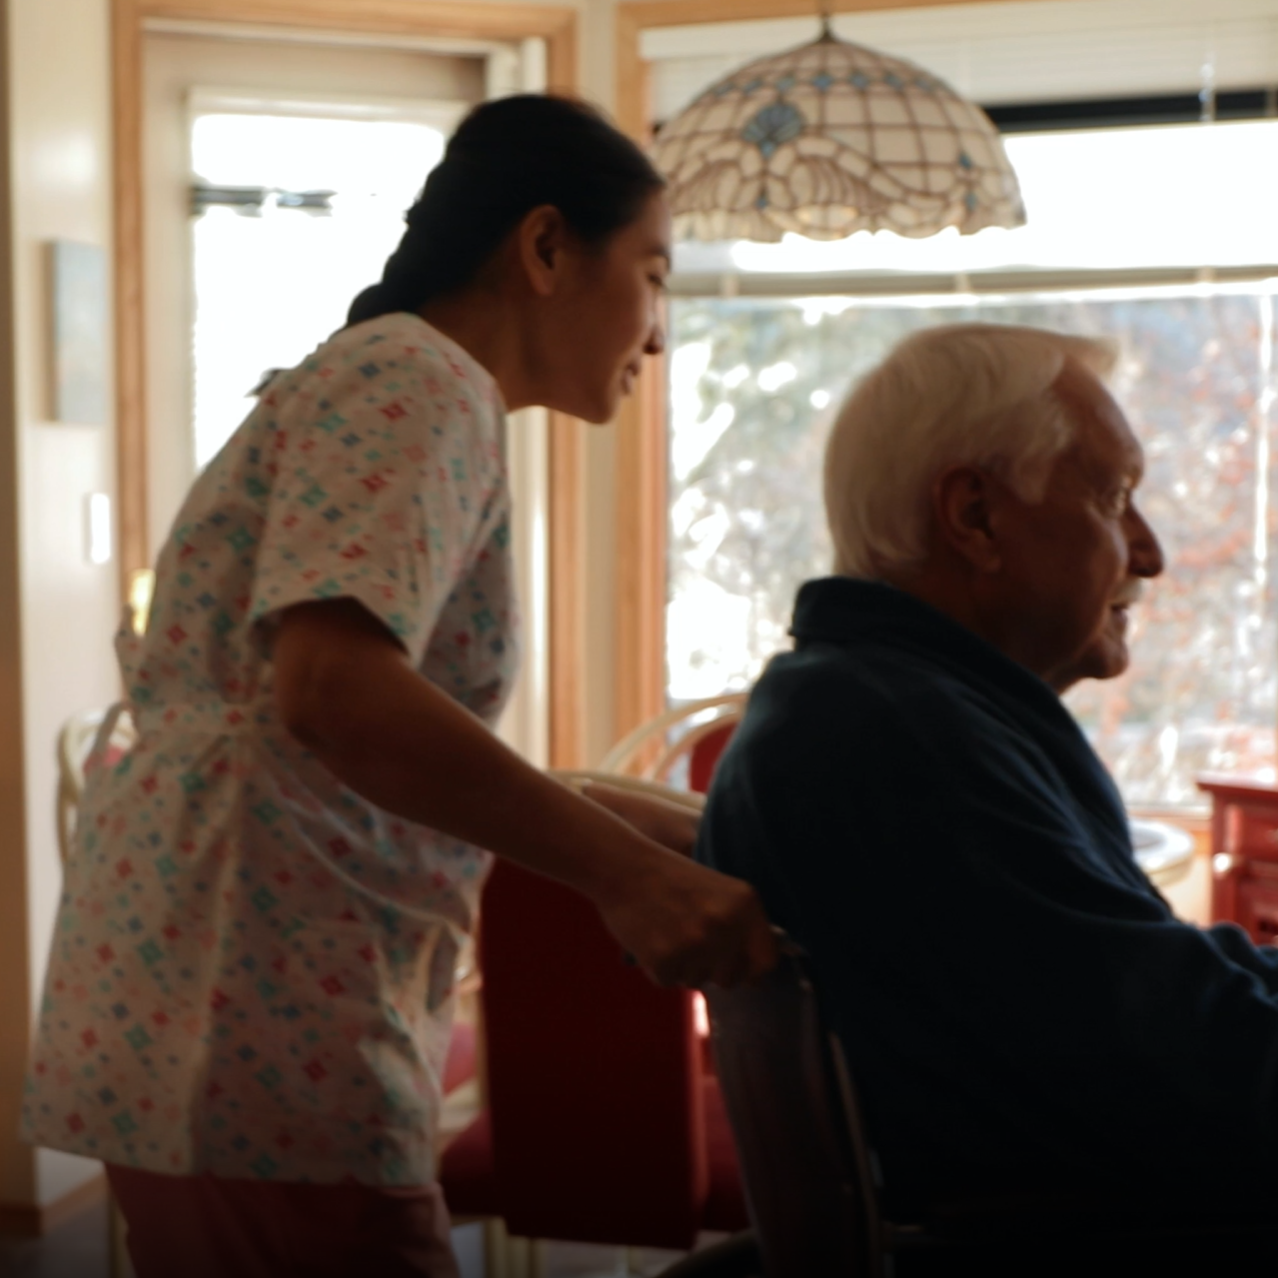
x=252, y=967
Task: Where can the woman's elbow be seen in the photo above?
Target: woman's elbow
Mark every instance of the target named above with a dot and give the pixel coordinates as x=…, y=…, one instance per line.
x=311, y=670
x=334, y=666
x=304, y=700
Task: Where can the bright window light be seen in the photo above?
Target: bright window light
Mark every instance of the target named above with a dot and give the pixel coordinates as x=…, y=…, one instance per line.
x=753, y=376
x=775, y=376
x=270, y=288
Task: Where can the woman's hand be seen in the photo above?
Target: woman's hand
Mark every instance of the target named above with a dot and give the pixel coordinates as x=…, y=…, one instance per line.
x=672, y=825
x=684, y=929
x=686, y=924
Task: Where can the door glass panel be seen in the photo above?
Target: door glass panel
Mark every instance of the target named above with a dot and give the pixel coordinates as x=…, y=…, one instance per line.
x=313, y=208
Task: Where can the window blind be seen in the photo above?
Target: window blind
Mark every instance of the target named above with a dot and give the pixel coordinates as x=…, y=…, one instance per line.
x=1009, y=52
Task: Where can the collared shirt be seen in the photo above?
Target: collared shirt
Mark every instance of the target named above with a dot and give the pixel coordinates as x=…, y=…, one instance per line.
x=1019, y=1005
x=252, y=966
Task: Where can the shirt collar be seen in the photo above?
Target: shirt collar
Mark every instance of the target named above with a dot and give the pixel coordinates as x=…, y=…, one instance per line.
x=846, y=611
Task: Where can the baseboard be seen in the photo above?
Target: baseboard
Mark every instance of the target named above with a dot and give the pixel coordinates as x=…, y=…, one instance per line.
x=24, y=1221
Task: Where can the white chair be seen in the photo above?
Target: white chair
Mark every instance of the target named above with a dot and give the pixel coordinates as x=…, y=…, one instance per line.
x=649, y=752
x=82, y=736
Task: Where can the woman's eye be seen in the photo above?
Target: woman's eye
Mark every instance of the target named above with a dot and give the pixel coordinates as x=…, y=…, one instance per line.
x=659, y=281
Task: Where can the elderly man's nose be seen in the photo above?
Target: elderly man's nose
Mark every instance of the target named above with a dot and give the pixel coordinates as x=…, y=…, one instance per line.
x=1145, y=550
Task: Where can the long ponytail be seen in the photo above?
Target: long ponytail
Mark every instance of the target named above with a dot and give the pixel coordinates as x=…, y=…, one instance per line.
x=508, y=157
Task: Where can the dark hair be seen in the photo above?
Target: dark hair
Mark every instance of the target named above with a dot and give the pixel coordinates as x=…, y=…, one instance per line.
x=508, y=157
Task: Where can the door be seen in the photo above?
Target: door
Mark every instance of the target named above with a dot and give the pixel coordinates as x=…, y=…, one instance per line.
x=276, y=175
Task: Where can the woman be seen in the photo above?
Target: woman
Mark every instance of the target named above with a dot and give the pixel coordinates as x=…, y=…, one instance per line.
x=249, y=998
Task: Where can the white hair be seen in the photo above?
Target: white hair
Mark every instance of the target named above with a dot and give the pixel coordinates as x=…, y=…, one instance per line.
x=956, y=395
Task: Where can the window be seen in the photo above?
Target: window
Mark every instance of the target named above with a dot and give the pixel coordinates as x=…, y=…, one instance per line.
x=298, y=209
x=755, y=380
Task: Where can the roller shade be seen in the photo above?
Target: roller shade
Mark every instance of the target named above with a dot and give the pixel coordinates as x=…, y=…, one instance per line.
x=1020, y=51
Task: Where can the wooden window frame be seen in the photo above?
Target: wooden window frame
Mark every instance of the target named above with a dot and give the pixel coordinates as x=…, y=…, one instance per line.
x=639, y=602
x=463, y=19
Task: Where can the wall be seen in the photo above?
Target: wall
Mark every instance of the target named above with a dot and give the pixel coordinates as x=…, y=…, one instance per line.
x=58, y=611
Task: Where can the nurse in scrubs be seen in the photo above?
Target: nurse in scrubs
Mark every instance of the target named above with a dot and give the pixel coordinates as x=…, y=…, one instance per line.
x=249, y=997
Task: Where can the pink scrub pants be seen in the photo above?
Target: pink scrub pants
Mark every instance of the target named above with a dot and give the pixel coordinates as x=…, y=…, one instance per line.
x=205, y=1227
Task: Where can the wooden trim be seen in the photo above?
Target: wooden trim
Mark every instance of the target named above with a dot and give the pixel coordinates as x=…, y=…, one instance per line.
x=639, y=602
x=557, y=25
x=461, y=18
x=639, y=676
x=682, y=13
x=130, y=333
x=562, y=74
x=567, y=541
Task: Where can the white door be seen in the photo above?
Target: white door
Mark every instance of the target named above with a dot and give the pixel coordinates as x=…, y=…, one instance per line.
x=276, y=174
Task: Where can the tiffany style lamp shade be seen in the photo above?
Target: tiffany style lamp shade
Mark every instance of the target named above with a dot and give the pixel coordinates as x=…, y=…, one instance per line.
x=832, y=138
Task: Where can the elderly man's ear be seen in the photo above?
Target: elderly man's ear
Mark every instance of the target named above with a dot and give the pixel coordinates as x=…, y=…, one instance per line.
x=964, y=507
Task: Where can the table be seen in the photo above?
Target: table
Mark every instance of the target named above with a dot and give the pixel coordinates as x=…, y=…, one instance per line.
x=1165, y=852
x=1244, y=846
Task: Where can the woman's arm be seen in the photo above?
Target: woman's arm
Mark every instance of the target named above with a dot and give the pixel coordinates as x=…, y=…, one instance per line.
x=347, y=691
x=673, y=825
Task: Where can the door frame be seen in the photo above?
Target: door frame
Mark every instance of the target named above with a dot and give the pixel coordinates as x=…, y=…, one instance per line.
x=557, y=25
x=639, y=598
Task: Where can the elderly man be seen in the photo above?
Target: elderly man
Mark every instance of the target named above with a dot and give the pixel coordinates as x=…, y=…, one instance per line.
x=920, y=811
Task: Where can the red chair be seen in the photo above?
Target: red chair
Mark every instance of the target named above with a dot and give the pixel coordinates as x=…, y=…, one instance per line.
x=459, y=1067
x=705, y=752
x=649, y=753
x=602, y=1124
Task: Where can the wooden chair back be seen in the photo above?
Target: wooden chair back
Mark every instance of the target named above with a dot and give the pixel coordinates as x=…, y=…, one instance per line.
x=807, y=1167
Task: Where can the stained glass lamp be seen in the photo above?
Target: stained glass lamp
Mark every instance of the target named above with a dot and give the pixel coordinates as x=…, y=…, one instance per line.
x=832, y=138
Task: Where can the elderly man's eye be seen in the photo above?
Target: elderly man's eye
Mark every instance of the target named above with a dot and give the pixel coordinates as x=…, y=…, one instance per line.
x=1117, y=501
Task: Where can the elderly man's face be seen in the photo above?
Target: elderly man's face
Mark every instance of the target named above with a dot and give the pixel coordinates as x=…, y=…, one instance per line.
x=1073, y=562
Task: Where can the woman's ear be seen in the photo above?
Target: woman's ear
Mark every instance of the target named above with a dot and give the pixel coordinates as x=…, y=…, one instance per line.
x=540, y=240
x=962, y=501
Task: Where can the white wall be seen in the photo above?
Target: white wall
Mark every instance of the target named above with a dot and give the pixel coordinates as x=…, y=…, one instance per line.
x=58, y=612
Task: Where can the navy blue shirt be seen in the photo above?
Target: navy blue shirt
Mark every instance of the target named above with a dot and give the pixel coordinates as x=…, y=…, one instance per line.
x=1018, y=1003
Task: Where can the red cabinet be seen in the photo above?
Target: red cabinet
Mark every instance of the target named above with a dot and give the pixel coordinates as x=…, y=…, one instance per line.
x=1244, y=846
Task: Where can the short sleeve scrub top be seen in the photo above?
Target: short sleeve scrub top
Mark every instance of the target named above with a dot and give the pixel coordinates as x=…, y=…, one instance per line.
x=252, y=967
